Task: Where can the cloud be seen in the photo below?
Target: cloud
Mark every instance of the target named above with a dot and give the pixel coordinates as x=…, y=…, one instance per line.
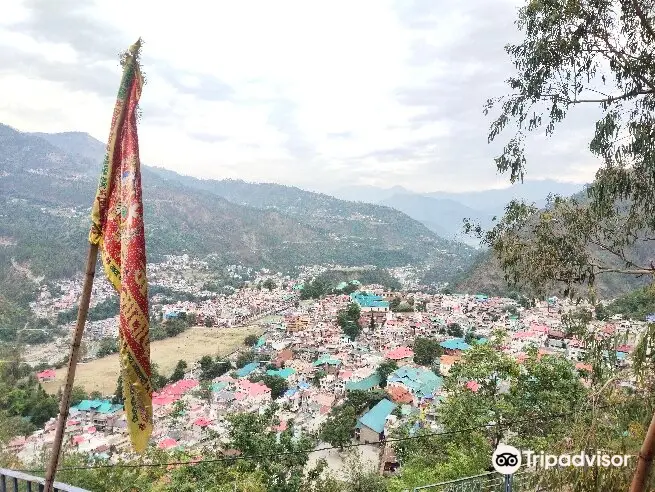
x=208, y=137
x=282, y=116
x=375, y=91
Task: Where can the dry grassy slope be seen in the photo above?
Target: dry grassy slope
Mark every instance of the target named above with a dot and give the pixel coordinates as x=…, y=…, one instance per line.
x=190, y=346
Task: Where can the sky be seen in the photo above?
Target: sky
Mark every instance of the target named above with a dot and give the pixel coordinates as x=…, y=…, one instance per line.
x=317, y=94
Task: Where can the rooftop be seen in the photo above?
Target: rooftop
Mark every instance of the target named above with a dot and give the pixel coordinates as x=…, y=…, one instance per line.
x=376, y=417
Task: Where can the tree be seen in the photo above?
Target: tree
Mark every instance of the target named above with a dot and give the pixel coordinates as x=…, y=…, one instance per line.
x=118, y=393
x=348, y=320
x=454, y=330
x=489, y=368
x=517, y=401
x=179, y=409
x=178, y=372
x=107, y=346
x=282, y=459
x=157, y=379
x=426, y=350
x=250, y=340
x=384, y=370
x=210, y=368
x=77, y=395
x=338, y=429
x=269, y=284
x=576, y=54
x=245, y=358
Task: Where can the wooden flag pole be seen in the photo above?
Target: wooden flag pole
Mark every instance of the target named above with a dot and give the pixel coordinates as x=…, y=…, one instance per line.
x=64, y=407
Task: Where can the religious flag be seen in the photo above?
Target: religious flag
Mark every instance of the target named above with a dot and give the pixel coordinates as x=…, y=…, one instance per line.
x=118, y=231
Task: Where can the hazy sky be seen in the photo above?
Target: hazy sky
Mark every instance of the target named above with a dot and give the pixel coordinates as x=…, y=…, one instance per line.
x=313, y=93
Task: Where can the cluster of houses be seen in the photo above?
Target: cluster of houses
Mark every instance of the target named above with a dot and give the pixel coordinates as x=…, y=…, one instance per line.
x=306, y=348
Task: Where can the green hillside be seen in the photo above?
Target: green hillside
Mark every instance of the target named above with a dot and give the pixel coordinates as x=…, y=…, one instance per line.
x=48, y=182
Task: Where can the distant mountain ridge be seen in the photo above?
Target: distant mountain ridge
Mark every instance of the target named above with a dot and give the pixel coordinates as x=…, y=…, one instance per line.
x=442, y=215
x=444, y=212
x=48, y=181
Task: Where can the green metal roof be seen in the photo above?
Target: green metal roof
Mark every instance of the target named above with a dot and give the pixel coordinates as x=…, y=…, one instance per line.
x=100, y=406
x=365, y=384
x=283, y=373
x=327, y=359
x=376, y=417
x=220, y=386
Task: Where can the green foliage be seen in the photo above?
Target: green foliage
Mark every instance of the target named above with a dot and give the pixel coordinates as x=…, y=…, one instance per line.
x=107, y=346
x=508, y=393
x=384, y=370
x=118, y=392
x=367, y=276
x=454, y=330
x=348, y=320
x=178, y=372
x=77, y=395
x=399, y=306
x=21, y=396
x=338, y=429
x=158, y=380
x=269, y=284
x=318, y=375
x=426, y=350
x=283, y=472
x=213, y=368
x=635, y=305
x=250, y=340
x=575, y=54
x=159, y=330
x=437, y=458
x=245, y=358
x=315, y=289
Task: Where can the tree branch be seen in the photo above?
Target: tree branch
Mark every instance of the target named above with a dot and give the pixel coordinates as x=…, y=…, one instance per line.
x=639, y=271
x=607, y=100
x=643, y=19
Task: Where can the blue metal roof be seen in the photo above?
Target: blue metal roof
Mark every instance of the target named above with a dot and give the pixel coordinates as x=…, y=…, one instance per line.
x=376, y=417
x=421, y=382
x=247, y=369
x=283, y=373
x=455, y=344
x=368, y=300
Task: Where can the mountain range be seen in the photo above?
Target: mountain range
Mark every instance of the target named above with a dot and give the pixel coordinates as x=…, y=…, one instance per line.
x=48, y=183
x=444, y=212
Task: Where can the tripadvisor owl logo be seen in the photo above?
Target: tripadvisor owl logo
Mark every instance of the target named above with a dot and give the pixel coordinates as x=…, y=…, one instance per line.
x=506, y=459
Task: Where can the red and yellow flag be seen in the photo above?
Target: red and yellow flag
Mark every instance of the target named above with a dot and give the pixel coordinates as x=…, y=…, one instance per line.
x=118, y=230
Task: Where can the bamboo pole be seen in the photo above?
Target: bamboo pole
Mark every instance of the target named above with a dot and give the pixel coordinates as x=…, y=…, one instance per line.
x=645, y=461
x=85, y=298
